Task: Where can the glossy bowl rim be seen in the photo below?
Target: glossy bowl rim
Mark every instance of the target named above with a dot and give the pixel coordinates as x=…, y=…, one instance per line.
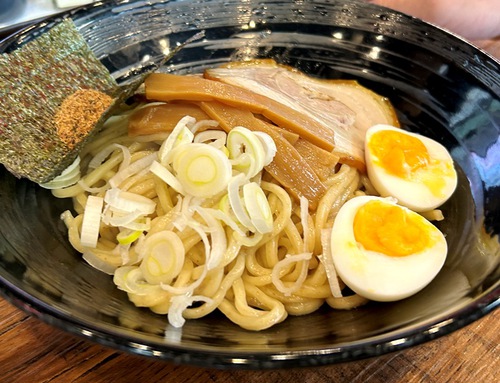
x=392, y=341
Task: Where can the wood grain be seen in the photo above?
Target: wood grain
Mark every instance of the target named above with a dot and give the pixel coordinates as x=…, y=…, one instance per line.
x=32, y=351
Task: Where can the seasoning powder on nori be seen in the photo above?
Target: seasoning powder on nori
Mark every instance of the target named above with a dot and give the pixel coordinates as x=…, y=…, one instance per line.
x=43, y=86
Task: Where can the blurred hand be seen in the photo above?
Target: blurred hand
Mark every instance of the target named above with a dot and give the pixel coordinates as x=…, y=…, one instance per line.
x=477, y=21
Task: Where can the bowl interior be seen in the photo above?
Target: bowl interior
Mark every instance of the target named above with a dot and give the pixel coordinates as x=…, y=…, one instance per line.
x=441, y=87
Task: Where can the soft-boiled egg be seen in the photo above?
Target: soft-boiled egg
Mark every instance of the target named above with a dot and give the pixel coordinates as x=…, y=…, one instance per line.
x=383, y=251
x=414, y=169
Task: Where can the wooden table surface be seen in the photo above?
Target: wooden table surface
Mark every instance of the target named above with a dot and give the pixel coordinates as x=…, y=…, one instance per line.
x=32, y=351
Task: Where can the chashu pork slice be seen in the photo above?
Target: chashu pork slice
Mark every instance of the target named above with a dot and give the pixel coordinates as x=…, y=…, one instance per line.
x=344, y=106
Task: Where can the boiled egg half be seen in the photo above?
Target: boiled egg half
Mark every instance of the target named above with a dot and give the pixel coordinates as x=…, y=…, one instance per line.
x=414, y=169
x=384, y=251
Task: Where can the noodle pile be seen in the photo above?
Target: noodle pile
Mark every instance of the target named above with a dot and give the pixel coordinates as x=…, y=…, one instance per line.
x=258, y=279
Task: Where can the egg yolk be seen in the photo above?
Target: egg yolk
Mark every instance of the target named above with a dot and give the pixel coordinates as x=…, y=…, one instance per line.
x=398, y=153
x=391, y=230
x=407, y=157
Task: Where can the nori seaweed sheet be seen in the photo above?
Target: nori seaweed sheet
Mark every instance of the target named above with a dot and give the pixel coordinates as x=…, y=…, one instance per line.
x=34, y=81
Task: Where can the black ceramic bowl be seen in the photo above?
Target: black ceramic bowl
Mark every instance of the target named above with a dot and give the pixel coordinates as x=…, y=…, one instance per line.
x=440, y=85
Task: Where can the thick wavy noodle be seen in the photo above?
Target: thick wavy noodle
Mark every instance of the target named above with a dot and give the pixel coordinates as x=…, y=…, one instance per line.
x=257, y=281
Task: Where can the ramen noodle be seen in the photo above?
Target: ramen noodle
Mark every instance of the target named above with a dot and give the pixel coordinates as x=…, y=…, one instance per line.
x=258, y=280
x=192, y=213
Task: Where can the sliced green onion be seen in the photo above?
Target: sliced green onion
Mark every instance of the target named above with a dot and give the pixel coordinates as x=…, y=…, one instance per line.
x=258, y=208
x=269, y=146
x=244, y=163
x=122, y=201
x=224, y=205
x=217, y=236
x=202, y=170
x=184, y=213
x=233, y=192
x=241, y=141
x=134, y=220
x=215, y=138
x=101, y=156
x=185, y=136
x=132, y=169
x=124, y=251
x=187, y=208
x=128, y=236
x=131, y=280
x=225, y=151
x=68, y=177
x=204, y=124
x=302, y=261
x=204, y=238
x=166, y=176
x=327, y=260
x=128, y=210
x=224, y=216
x=179, y=135
x=91, y=221
x=163, y=257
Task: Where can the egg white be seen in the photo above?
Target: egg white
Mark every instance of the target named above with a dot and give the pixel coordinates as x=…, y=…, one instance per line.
x=412, y=194
x=377, y=276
